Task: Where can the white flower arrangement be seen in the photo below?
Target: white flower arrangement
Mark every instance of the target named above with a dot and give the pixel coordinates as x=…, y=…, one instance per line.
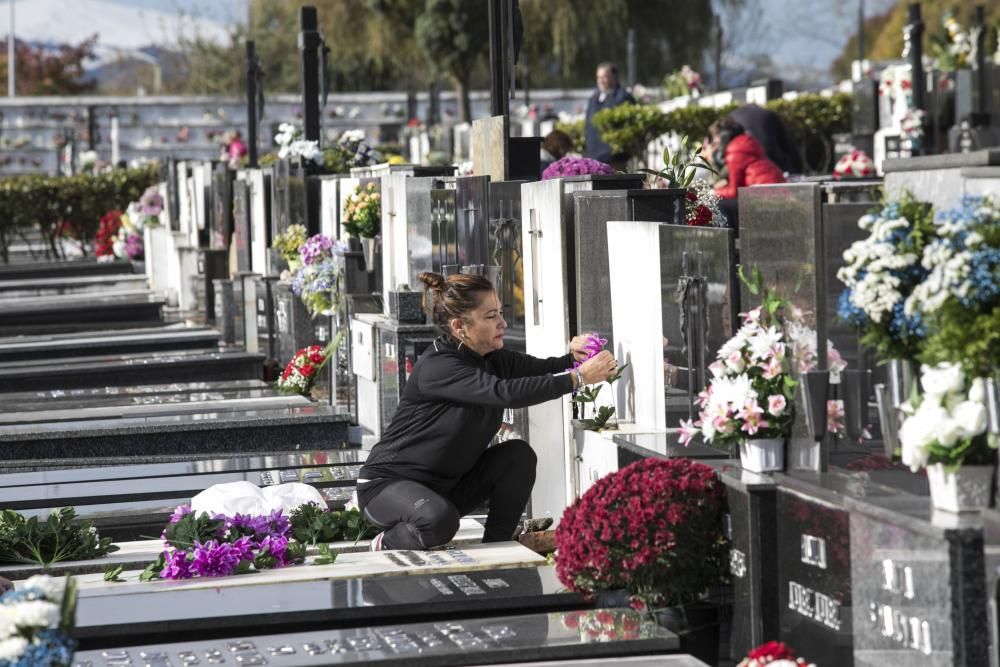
x=947, y=424
x=35, y=622
x=291, y=144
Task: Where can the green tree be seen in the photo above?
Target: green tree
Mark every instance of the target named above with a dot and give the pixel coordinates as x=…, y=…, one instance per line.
x=454, y=34
x=884, y=33
x=45, y=71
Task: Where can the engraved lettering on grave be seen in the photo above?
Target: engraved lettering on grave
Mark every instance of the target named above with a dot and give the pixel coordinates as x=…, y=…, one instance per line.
x=188, y=657
x=814, y=551
x=281, y=650
x=897, y=578
x=496, y=583
x=441, y=586
x=281, y=316
x=737, y=563
x=465, y=584
x=907, y=631
x=814, y=605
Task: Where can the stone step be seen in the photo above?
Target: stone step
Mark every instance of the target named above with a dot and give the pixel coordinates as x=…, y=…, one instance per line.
x=71, y=285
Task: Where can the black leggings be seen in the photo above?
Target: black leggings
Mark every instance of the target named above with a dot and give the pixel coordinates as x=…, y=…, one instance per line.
x=416, y=517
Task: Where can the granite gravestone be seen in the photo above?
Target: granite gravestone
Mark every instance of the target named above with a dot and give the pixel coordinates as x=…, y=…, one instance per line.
x=97, y=343
x=591, y=263
x=472, y=223
x=212, y=266
x=506, y=251
x=444, y=241
x=67, y=313
x=240, y=253
x=399, y=347
x=292, y=324
x=685, y=277
x=222, y=206
x=547, y=224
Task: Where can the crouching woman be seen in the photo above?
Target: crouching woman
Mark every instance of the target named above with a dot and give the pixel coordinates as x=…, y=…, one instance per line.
x=433, y=464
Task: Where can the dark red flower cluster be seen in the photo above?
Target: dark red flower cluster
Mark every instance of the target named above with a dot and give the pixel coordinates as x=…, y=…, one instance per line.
x=773, y=650
x=654, y=528
x=107, y=232
x=702, y=216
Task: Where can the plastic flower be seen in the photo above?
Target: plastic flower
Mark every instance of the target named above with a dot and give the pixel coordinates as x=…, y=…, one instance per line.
x=214, y=559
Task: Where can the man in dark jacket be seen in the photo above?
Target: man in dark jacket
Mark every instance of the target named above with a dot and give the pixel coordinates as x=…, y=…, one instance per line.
x=607, y=96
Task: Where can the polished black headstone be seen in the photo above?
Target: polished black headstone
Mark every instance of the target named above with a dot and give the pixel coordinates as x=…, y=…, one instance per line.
x=65, y=313
x=222, y=206
x=636, y=446
x=295, y=330
x=242, y=206
x=398, y=348
x=97, y=343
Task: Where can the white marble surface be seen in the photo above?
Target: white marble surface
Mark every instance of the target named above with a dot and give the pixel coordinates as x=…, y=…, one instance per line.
x=364, y=564
x=637, y=321
x=258, y=220
x=469, y=532
x=394, y=246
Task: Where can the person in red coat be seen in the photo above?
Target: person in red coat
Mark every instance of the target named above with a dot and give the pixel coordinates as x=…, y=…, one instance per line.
x=743, y=157
x=742, y=162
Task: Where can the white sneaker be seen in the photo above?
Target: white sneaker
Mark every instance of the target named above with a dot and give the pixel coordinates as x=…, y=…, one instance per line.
x=376, y=543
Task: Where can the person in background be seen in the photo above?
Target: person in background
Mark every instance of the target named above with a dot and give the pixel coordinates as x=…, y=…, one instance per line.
x=434, y=464
x=769, y=130
x=237, y=150
x=608, y=95
x=556, y=145
x=742, y=160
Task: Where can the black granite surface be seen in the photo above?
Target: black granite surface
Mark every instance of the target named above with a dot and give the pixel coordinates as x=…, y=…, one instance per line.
x=290, y=429
x=118, y=620
x=83, y=267
x=84, y=407
x=126, y=395
x=249, y=462
x=984, y=158
x=158, y=339
x=635, y=446
x=70, y=285
x=503, y=639
x=407, y=307
x=140, y=368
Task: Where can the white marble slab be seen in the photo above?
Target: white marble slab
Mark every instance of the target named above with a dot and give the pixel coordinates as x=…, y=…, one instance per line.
x=364, y=564
x=395, y=252
x=258, y=220
x=329, y=207
x=636, y=296
x=469, y=532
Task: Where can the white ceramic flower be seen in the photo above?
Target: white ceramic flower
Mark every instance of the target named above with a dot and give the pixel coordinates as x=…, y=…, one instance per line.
x=36, y=614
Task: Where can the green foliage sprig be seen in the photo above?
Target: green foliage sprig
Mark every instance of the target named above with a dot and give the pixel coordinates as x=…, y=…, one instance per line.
x=57, y=538
x=681, y=166
x=312, y=524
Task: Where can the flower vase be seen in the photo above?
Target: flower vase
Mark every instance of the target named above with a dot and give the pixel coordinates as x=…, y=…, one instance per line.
x=294, y=265
x=902, y=374
x=966, y=489
x=763, y=454
x=368, y=248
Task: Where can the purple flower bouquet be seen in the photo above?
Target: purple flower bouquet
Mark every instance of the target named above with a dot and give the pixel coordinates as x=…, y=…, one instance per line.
x=575, y=166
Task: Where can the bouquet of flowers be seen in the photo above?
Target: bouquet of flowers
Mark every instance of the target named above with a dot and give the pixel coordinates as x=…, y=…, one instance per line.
x=129, y=243
x=147, y=210
x=948, y=423
x=218, y=546
x=107, y=233
x=291, y=144
x=701, y=206
x=775, y=654
x=363, y=213
x=855, y=164
x=684, y=81
x=751, y=392
x=911, y=125
x=351, y=150
x=602, y=625
x=37, y=623
x=575, y=166
x=588, y=395
x=960, y=297
x=300, y=373
x=316, y=283
x=952, y=49
x=881, y=271
x=653, y=528
x=288, y=242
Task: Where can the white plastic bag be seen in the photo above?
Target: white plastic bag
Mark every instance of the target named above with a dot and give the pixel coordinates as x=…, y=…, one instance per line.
x=247, y=498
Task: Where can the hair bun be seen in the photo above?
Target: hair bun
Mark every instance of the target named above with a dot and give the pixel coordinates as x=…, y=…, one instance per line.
x=434, y=281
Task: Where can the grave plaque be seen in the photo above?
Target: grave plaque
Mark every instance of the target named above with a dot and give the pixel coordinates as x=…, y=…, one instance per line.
x=420, y=220
x=472, y=223
x=212, y=266
x=506, y=253
x=242, y=204
x=553, y=636
x=591, y=264
x=259, y=183
x=265, y=310
x=292, y=323
x=222, y=206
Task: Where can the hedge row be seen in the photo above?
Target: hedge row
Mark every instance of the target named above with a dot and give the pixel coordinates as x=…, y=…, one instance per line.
x=66, y=205
x=811, y=120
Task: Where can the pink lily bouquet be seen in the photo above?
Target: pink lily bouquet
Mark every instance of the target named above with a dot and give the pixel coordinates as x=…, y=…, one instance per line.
x=751, y=391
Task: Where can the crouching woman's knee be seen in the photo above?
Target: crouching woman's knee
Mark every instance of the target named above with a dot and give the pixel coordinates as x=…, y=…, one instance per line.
x=436, y=522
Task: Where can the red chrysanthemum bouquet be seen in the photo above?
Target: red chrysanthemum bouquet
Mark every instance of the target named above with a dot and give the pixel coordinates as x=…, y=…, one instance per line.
x=107, y=234
x=775, y=654
x=301, y=372
x=654, y=529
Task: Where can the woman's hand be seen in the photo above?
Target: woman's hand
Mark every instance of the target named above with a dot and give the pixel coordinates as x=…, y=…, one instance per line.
x=598, y=368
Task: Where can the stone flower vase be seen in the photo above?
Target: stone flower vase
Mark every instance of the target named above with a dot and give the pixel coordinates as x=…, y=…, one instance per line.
x=368, y=248
x=763, y=454
x=964, y=490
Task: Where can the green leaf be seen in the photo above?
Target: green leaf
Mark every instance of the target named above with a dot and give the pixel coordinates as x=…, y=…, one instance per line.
x=326, y=556
x=113, y=572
